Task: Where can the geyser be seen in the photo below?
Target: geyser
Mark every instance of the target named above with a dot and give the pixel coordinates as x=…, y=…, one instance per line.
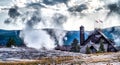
x=38, y=39
x=55, y=14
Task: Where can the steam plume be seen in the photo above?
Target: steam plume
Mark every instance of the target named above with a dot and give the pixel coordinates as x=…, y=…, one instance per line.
x=59, y=14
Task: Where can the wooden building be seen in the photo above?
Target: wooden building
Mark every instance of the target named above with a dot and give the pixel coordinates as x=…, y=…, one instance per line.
x=94, y=40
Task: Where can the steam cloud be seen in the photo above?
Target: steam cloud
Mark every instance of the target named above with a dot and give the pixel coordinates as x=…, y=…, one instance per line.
x=38, y=39
x=62, y=15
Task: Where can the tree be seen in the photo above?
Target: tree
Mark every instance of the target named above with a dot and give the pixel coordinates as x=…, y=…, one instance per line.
x=101, y=48
x=88, y=50
x=11, y=42
x=22, y=43
x=74, y=46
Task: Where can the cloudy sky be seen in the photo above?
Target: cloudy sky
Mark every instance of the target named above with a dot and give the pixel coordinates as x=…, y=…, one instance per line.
x=59, y=14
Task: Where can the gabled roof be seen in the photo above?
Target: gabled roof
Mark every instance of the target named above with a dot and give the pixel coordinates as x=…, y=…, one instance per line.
x=92, y=38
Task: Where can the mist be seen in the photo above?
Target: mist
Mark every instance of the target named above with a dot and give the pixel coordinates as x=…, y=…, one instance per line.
x=38, y=39
x=60, y=15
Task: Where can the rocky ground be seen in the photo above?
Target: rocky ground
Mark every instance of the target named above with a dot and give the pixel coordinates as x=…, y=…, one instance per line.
x=30, y=55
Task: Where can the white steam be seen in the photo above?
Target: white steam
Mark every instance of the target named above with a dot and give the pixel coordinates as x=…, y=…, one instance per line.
x=37, y=39
x=55, y=14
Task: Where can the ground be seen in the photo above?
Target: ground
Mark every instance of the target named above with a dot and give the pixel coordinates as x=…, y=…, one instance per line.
x=30, y=56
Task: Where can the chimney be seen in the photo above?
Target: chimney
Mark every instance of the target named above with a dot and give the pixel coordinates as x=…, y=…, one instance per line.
x=82, y=38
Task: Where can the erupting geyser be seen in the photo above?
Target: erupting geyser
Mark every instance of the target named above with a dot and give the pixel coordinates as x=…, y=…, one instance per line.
x=38, y=39
x=30, y=15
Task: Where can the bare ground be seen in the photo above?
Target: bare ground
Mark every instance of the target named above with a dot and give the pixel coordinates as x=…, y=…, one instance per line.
x=29, y=56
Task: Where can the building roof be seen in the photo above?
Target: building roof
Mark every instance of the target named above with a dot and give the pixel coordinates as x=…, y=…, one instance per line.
x=96, y=36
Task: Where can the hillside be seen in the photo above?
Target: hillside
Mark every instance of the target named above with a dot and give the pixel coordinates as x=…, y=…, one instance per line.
x=6, y=34
x=66, y=38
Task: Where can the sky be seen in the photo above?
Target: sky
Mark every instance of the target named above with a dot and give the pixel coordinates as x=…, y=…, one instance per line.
x=64, y=14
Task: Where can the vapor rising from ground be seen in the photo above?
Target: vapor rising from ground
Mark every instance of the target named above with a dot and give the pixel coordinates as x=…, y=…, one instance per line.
x=56, y=14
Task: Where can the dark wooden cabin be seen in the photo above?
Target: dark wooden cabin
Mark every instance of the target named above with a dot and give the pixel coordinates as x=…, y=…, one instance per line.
x=94, y=40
